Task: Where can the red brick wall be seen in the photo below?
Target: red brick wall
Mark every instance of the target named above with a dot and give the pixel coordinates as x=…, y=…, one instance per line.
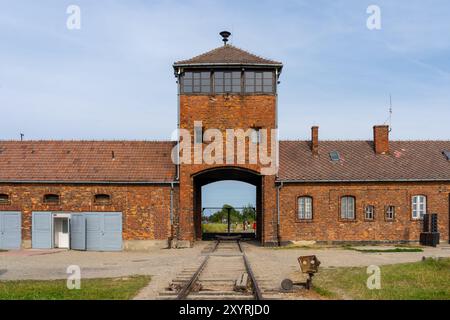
x=145, y=208
x=327, y=225
x=224, y=112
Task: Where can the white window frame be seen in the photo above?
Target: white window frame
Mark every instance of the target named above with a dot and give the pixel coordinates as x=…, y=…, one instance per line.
x=305, y=208
x=372, y=212
x=418, y=206
x=390, y=211
x=347, y=212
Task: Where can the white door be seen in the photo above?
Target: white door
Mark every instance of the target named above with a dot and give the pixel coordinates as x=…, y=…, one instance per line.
x=63, y=233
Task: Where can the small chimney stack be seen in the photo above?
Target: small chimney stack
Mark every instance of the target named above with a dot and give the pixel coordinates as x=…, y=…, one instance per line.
x=381, y=139
x=315, y=140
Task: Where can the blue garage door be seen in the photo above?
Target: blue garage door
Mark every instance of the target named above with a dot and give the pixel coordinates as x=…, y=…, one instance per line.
x=42, y=230
x=78, y=232
x=104, y=231
x=10, y=230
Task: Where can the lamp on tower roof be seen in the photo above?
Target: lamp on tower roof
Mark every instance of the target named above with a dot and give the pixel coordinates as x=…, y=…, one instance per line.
x=225, y=35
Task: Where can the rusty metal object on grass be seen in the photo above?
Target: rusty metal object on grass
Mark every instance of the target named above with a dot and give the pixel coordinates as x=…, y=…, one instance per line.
x=309, y=265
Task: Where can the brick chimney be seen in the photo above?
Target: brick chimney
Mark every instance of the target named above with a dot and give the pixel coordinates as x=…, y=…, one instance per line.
x=315, y=140
x=381, y=139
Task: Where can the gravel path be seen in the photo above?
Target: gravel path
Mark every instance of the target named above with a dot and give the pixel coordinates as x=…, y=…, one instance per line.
x=52, y=264
x=269, y=265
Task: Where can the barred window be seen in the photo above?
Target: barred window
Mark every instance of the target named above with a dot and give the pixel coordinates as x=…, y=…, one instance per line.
x=390, y=213
x=196, y=82
x=305, y=208
x=259, y=82
x=51, y=198
x=227, y=82
x=4, y=198
x=348, y=208
x=419, y=206
x=369, y=212
x=102, y=198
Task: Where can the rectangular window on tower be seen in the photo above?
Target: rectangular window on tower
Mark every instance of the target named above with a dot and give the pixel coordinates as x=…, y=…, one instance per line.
x=227, y=82
x=196, y=82
x=259, y=82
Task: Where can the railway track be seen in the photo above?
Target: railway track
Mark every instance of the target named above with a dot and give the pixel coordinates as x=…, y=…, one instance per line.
x=224, y=274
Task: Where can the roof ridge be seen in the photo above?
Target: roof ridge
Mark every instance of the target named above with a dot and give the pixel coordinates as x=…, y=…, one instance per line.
x=245, y=55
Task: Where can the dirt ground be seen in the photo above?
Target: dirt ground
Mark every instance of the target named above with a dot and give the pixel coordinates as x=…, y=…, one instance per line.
x=274, y=265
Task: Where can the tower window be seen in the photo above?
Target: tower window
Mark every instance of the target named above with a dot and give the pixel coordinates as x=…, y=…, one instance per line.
x=259, y=82
x=196, y=82
x=227, y=82
x=256, y=135
x=198, y=135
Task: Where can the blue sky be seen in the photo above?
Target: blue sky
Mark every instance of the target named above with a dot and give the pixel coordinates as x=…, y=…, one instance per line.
x=113, y=78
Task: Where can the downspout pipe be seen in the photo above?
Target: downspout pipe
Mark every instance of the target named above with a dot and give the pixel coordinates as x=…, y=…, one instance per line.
x=171, y=216
x=277, y=74
x=278, y=212
x=178, y=75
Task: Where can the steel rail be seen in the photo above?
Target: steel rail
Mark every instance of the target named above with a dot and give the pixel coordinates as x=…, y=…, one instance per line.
x=184, y=292
x=256, y=290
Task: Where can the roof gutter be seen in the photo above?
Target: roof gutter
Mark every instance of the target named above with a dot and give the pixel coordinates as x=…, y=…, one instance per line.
x=88, y=182
x=208, y=64
x=362, y=180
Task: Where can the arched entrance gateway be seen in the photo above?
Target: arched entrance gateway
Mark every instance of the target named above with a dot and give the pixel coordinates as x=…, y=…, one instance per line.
x=244, y=222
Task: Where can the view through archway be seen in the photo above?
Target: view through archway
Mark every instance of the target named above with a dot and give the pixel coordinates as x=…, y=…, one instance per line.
x=229, y=207
x=228, y=200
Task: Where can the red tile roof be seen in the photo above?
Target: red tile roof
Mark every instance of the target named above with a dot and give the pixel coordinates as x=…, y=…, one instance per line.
x=226, y=55
x=150, y=162
x=86, y=161
x=408, y=160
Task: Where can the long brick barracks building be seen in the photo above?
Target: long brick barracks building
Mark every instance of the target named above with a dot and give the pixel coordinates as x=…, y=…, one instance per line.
x=114, y=195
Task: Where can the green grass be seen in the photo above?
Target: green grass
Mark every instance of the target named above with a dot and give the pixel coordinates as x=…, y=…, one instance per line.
x=214, y=227
x=123, y=288
x=222, y=227
x=293, y=246
x=425, y=280
x=401, y=249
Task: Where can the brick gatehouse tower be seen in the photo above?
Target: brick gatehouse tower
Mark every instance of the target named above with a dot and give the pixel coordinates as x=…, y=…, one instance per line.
x=227, y=88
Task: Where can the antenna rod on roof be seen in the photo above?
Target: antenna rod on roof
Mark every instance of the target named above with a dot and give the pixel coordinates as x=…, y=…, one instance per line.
x=389, y=119
x=21, y=136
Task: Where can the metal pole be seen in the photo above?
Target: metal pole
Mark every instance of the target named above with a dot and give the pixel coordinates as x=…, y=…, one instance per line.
x=228, y=209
